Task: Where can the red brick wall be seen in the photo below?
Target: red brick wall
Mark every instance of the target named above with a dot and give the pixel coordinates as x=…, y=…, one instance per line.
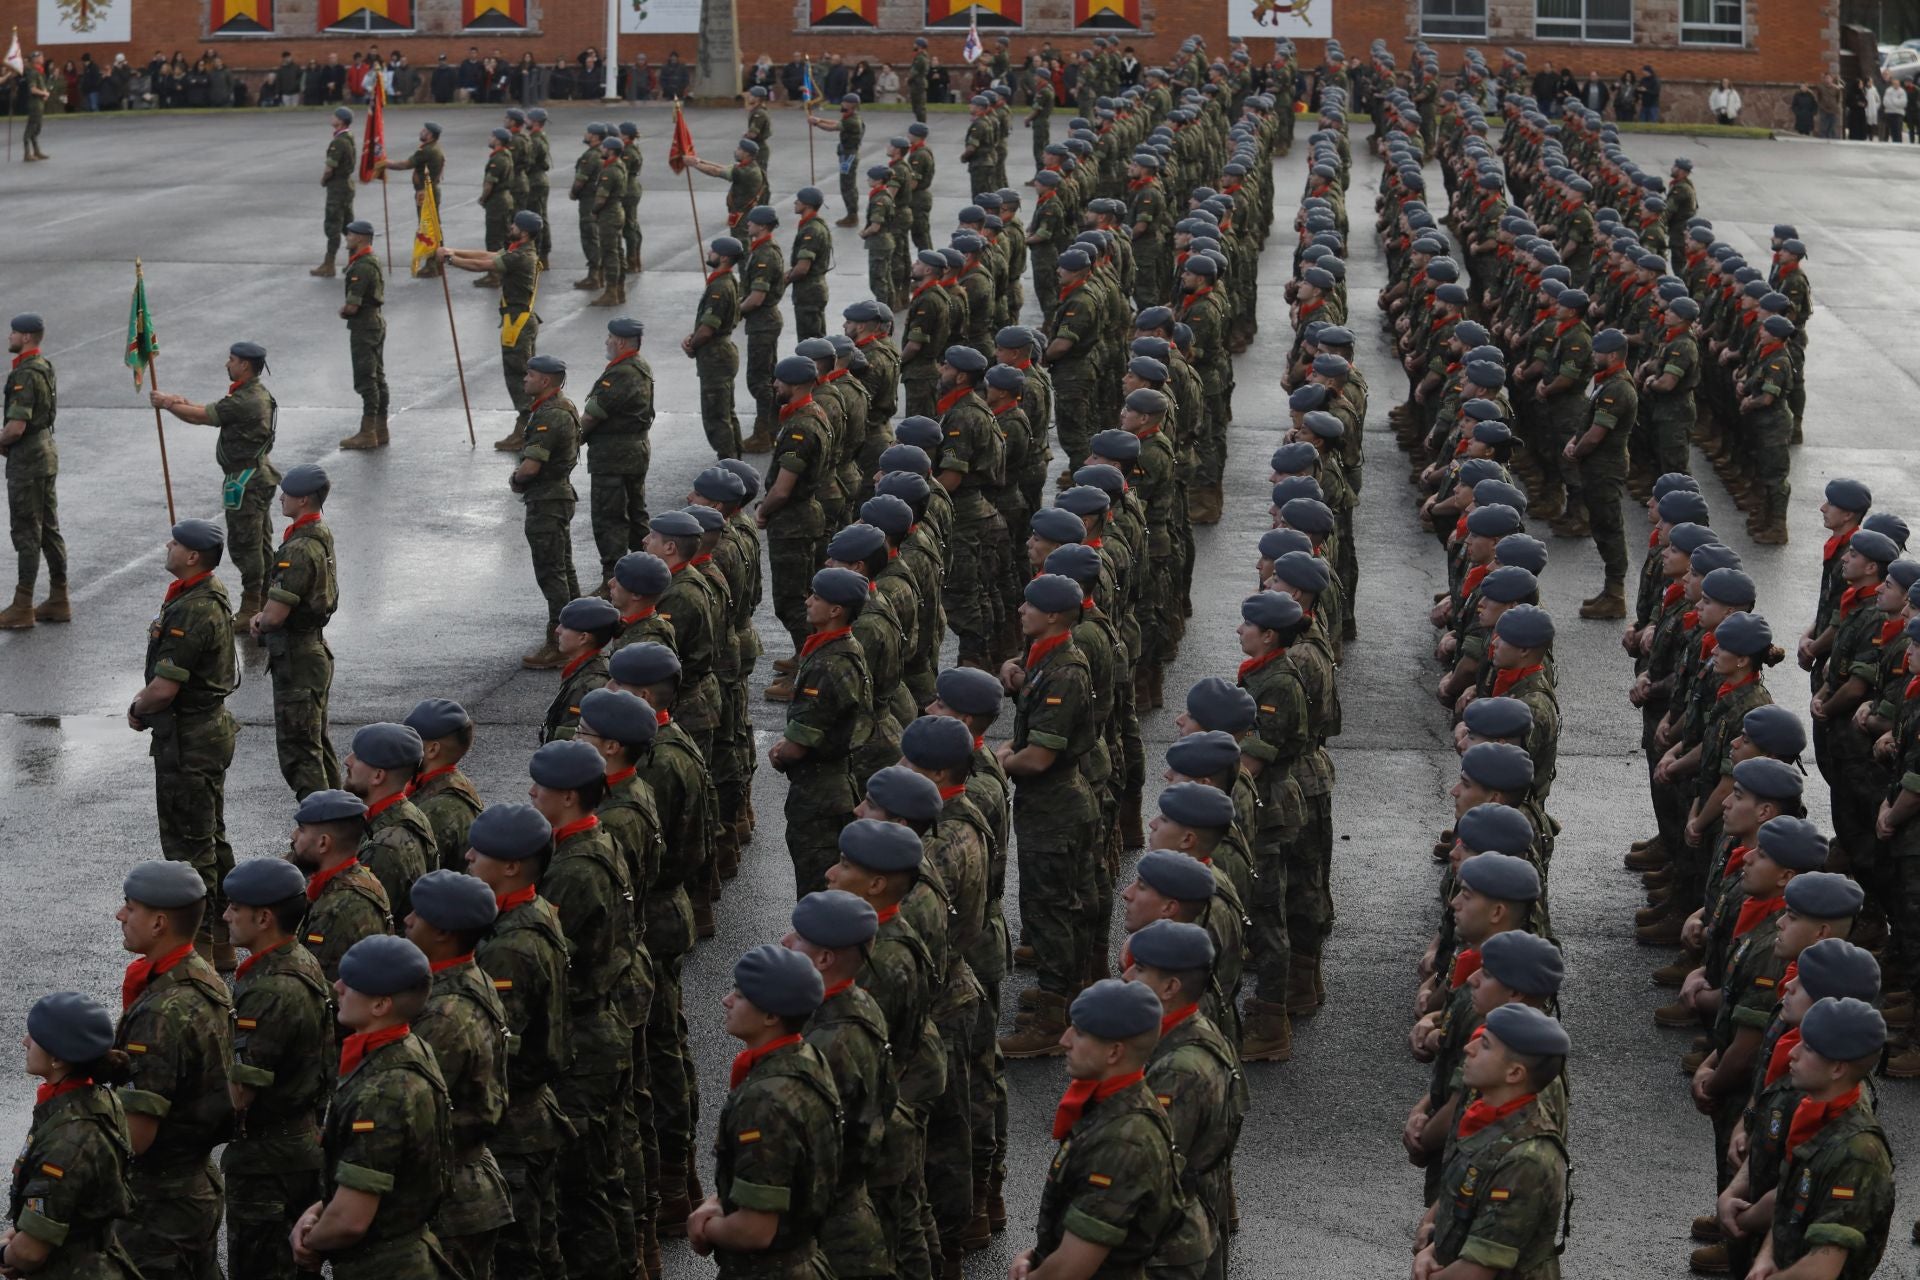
x=1789, y=40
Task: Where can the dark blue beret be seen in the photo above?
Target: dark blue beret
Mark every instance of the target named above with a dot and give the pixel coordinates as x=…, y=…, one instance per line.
x=1729, y=586
x=1713, y=555
x=509, y=832
x=437, y=718
x=1308, y=516
x=304, y=480
x=384, y=965
x=1195, y=804
x=969, y=691
x=1287, y=489
x=1527, y=626
x=329, y=806
x=1843, y=1030
x=1491, y=493
x=857, y=542
x=626, y=327
x=1608, y=341
x=358, y=227
x=566, y=765
x=530, y=222
x=1824, y=895
x=1006, y=377
x=869, y=311
x=937, y=742
x=1329, y=365
x=1524, y=962
x=1084, y=500
x=1683, y=506
x=885, y=847
x=1521, y=551
x=1769, y=779
x=1794, y=843
x=905, y=794
x=1688, y=537
x=843, y=587
x=643, y=664
x=1835, y=967
x=1052, y=593
x=919, y=430
x=1118, y=445
x=262, y=882
x=454, y=901
x=1746, y=634
x=1218, y=703
x=1099, y=475
x=717, y=484
x=1775, y=730
x=387, y=746
x=1272, y=611
x=1495, y=520
x=553, y=366
x=1573, y=299
x=748, y=477
x=1849, y=495
x=1475, y=472
x=1527, y=1031
x=1498, y=718
x=28, y=322
x=1498, y=766
x=1275, y=543
x=625, y=717
x=1207, y=754
x=835, y=918
x=1304, y=571
x=778, y=981
x=1502, y=876
x=888, y=514
x=1494, y=828
x=1877, y=547
x=1296, y=457
x=199, y=535
x=1486, y=373
x=1074, y=560
x=1114, y=1010
x=1176, y=876
x=965, y=359
x=796, y=371
x=1323, y=424
x=75, y=1028
x=642, y=573
x=675, y=524
x=1172, y=947
x=1890, y=524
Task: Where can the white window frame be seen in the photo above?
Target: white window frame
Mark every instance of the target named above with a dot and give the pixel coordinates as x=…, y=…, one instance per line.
x=1560, y=29
x=1737, y=29
x=1442, y=34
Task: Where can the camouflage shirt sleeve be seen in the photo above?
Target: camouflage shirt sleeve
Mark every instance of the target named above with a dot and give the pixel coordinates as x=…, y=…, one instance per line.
x=767, y=1145
x=1521, y=1208
x=267, y=1027
x=1113, y=1175
x=823, y=706
x=375, y=1133
x=189, y=646
x=158, y=1048
x=57, y=1180
x=1607, y=407
x=1855, y=1201
x=296, y=571
x=1057, y=708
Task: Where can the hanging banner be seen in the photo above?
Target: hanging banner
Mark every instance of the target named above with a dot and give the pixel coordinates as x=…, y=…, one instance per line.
x=844, y=13
x=988, y=15
x=493, y=15
x=240, y=17
x=660, y=17
x=1108, y=15
x=85, y=22
x=1312, y=19
x=366, y=15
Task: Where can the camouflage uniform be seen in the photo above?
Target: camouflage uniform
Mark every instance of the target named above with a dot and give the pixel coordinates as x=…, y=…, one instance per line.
x=696, y=607
x=366, y=286
x=1501, y=1196
x=1054, y=817
x=579, y=678
x=803, y=446
x=191, y=642
x=880, y=218
x=553, y=440
x=926, y=324
x=346, y=906
x=283, y=1037
x=812, y=243
x=778, y=1152
x=341, y=170
x=399, y=848
x=70, y=1184
x=539, y=186
x=177, y=1031
x=974, y=595
x=33, y=512
x=632, y=157
x=1195, y=1075
x=389, y=1134
x=519, y=272
x=1077, y=318
x=446, y=798
x=1836, y=1190
x=831, y=716
x=610, y=217
x=632, y=822
x=849, y=1032
x=465, y=1025
x=1280, y=737
x=765, y=270
x=306, y=581
x=717, y=362
x=245, y=419
x=615, y=423
x=497, y=182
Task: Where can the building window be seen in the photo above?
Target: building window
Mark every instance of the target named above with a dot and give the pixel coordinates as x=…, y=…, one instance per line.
x=1591, y=20
x=1453, y=17
x=1712, y=22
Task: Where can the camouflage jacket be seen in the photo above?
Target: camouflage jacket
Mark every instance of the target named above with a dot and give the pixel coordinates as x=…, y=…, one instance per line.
x=446, y=798
x=179, y=1033
x=398, y=847
x=831, y=715
x=1501, y=1194
x=347, y=905
x=283, y=1036
x=70, y=1183
x=389, y=1134
x=525, y=958
x=465, y=1025
x=778, y=1151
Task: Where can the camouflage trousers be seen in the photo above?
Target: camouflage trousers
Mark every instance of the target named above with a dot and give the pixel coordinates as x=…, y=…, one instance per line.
x=174, y=1230
x=367, y=347
x=920, y=393
x=849, y=191
x=513, y=367
x=537, y=197
x=670, y=1079
x=1671, y=432
x=763, y=350
x=338, y=214
x=1268, y=942
x=191, y=755
x=1601, y=487
x=1046, y=285
x=1309, y=905
x=529, y=1246
x=613, y=249
x=790, y=567
x=917, y=99
x=922, y=223
x=972, y=594
x=813, y=840
x=249, y=536
x=30, y=140
x=1073, y=414
x=1057, y=887
x=950, y=1130
x=549, y=525
x=301, y=665
x=630, y=231
x=589, y=237
x=1210, y=449
x=472, y=1254
x=499, y=219
x=270, y=1183
x=718, y=365
x=618, y=507
x=880, y=267
x=33, y=518
x=899, y=1192
x=596, y=1216
x=642, y=1152
x=809, y=313
x=1771, y=431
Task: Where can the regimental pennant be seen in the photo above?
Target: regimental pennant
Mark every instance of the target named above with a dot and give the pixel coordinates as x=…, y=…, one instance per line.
x=845, y=13
x=990, y=14
x=236, y=17
x=374, y=148
x=428, y=239
x=493, y=15
x=1112, y=15
x=143, y=344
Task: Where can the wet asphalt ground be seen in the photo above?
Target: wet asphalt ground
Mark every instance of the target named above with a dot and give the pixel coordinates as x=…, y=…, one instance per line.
x=437, y=598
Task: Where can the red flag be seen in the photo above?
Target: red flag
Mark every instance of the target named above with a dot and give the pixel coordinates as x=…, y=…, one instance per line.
x=681, y=150
x=374, y=149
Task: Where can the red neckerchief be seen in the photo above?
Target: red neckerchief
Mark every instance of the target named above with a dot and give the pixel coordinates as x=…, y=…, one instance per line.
x=312, y=517
x=1471, y=583
x=867, y=340
x=1308, y=308
x=1788, y=268
x=1252, y=665
x=1754, y=911
x=34, y=351
x=1729, y=686
x=1768, y=348
x=439, y=966
x=1837, y=541
x=715, y=275
x=235, y=386
x=1777, y=1064
x=1850, y=598
x=926, y=285
x=819, y=638
x=179, y=585
x=1171, y=1020
x=663, y=718
x=356, y=1047
x=999, y=402
x=142, y=971
x=619, y=776
x=1810, y=1117
x=518, y=898
x=48, y=1092
x=421, y=780
x=948, y=793
x=1480, y=1114
x=613, y=158
x=541, y=399
x=619, y=360
x=574, y=828
x=1046, y=194
x=757, y=241
x=1605, y=374
x=1565, y=325
x=358, y=254
x=951, y=399
x=1708, y=644
x=1460, y=527
x=1465, y=965
x=918, y=143
x=380, y=806
x=628, y=619
x=1039, y=649
x=1888, y=630
x=1913, y=688
x=1505, y=680
x=744, y=1061
x=1137, y=183
x=1080, y=1093
x=835, y=989
x=805, y=218
x=1673, y=592
x=951, y=282
x=1736, y=860
x=317, y=882
x=833, y=375
x=254, y=957
x=1438, y=321
x=792, y=407
x=1066, y=290
x=566, y=672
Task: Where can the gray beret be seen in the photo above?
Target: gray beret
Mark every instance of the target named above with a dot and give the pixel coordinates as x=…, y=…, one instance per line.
x=387, y=746
x=358, y=227
x=1498, y=766
x=530, y=222
x=905, y=794
x=329, y=806
x=1835, y=967
x=778, y=981
x=1195, y=804
x=163, y=885
x=1775, y=730
x=1890, y=524
x=1844, y=1030
x=1308, y=515
x=1526, y=625
x=1526, y=1030
x=1501, y=875
x=1297, y=457
x=834, y=918
x=1116, y=1010
x=1746, y=634
x=1218, y=703
x=1508, y=583
x=843, y=587
x=1172, y=946
x=27, y=322
x=1729, y=586
x=1053, y=593
x=1176, y=876
x=717, y=484
x=566, y=765
x=1303, y=571
x=1524, y=962
x=1120, y=446
x=625, y=717
x=437, y=718
x=969, y=691
x=1794, y=843
x=643, y=664
x=1688, y=537
x=200, y=535
x=1498, y=717
x=552, y=366
x=1098, y=475
x=885, y=847
x=1849, y=495
x=262, y=882
x=384, y=965
x=74, y=1028
x=1275, y=543
x=937, y=742
x=1272, y=611
x=796, y=371
x=1494, y=828
x=888, y=514
x=642, y=573
x=1769, y=779
x=1874, y=546
x=454, y=901
x=1207, y=754
x=711, y=519
x=678, y=523
x=1824, y=895
x=509, y=832
x=857, y=542
x=1495, y=520
x=304, y=480
x=1683, y=506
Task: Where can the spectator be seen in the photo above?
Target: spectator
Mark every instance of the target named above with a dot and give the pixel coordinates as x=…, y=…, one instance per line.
x=89, y=82
x=444, y=81
x=472, y=76
x=793, y=77
x=1724, y=102
x=1546, y=88
x=762, y=75
x=592, y=72
x=1649, y=97
x=936, y=85
x=1827, y=98
x=675, y=77
x=563, y=80
x=1913, y=113
x=1594, y=92
x=156, y=67
x=219, y=83
x=1804, y=106
x=313, y=83
x=1893, y=112
x=531, y=82
x=406, y=82
x=886, y=85
x=286, y=81
x=1129, y=67
x=1863, y=107
x=68, y=88
x=113, y=86
x=1625, y=91
x=357, y=78
x=640, y=79
x=198, y=84
x=864, y=82
x=838, y=78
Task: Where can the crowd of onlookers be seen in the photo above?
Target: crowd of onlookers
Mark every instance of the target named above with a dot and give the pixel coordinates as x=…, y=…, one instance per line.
x=1630, y=97
x=1862, y=108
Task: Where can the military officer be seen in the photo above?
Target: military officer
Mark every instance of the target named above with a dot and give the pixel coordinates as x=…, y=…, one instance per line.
x=543, y=481
x=877, y=233
x=711, y=348
x=33, y=513
x=746, y=181
x=615, y=424
x=388, y=1138
x=610, y=218
x=71, y=1187
x=763, y=280
x=176, y=1025
x=809, y=263
x=38, y=82
x=631, y=233
x=777, y=1159
x=366, y=336
x=1600, y=455
x=516, y=269
x=245, y=418
x=917, y=74
x=539, y=185
x=190, y=672
x=337, y=177
x=850, y=129
x=282, y=1038
x=465, y=1025
x=426, y=164
x=588, y=170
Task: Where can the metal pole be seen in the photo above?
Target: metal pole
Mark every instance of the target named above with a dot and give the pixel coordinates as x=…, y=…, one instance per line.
x=612, y=63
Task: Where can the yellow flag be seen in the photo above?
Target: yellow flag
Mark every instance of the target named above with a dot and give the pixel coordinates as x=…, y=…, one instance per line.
x=427, y=240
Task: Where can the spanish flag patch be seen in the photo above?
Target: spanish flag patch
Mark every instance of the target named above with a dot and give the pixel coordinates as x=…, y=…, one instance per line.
x=363, y=1126
x=1762, y=982
x=316, y=937
x=1498, y=1194
x=749, y=1135
x=1099, y=1180
x=503, y=984
x=246, y=1024
x=1841, y=1193
x=136, y=1048
x=1053, y=702
x=53, y=1171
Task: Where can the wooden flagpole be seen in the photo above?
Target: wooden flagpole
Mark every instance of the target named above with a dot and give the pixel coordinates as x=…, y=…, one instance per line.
x=153, y=372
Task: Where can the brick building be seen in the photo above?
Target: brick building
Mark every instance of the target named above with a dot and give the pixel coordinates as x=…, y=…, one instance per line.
x=1766, y=47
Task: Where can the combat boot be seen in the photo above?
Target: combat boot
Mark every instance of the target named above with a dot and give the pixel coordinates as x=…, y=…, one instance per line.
x=1266, y=1034
x=1132, y=833
x=514, y=440
x=996, y=1203
x=979, y=1233
x=759, y=442
x=1690, y=1060
x=491, y=280
x=325, y=269
x=633, y=263
x=848, y=221
x=1037, y=1034
x=704, y=925
x=591, y=280
x=1572, y=521
x=1024, y=957
x=1710, y=1259
x=1774, y=533
x=1610, y=602
x=1303, y=998
x=726, y=853
x=1319, y=982
x=1552, y=504
x=1675, y=1014
x=675, y=1202
x=547, y=657
x=56, y=607
x=18, y=615
x=1672, y=975
x=1664, y=932
x=380, y=431
x=1157, y=684
x=367, y=437
x=610, y=298
x=1648, y=857
x=1905, y=1064
x=781, y=690
x=251, y=602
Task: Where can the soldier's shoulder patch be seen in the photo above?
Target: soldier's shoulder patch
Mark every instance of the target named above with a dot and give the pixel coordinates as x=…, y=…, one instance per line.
x=135, y=1048
x=175, y=631
x=1099, y=1180
x=1498, y=1194
x=1841, y=1193
x=748, y=1136
x=503, y=984
x=363, y=1126
x=283, y=564
x=811, y=693
x=316, y=937
x=1052, y=701
x=1763, y=981
x=53, y=1171
x=539, y=428
x=796, y=435
x=1165, y=1099
x=246, y=1024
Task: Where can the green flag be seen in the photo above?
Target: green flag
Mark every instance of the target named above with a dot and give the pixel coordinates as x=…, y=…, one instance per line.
x=142, y=343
